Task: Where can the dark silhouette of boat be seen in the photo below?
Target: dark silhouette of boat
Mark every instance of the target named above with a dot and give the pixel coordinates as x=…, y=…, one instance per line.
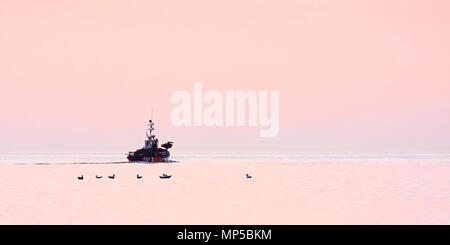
x=151, y=152
x=165, y=176
x=98, y=177
x=112, y=177
x=81, y=177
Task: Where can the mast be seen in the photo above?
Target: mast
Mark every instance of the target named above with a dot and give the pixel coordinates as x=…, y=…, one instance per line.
x=150, y=137
x=151, y=128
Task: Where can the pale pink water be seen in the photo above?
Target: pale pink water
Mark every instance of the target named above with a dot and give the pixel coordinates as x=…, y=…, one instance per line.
x=215, y=191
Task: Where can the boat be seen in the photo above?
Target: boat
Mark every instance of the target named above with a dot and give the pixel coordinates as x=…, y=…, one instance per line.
x=165, y=176
x=151, y=152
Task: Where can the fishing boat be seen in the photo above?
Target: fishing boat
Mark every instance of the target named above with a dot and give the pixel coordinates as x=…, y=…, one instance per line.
x=151, y=152
x=165, y=176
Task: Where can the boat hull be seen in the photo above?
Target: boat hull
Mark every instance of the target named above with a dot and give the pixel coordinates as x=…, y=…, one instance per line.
x=147, y=155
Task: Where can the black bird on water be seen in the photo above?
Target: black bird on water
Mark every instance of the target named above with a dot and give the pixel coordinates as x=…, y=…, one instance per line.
x=139, y=177
x=98, y=177
x=80, y=177
x=248, y=176
x=112, y=177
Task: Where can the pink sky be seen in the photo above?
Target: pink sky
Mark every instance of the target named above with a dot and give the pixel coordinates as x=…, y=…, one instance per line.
x=352, y=75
